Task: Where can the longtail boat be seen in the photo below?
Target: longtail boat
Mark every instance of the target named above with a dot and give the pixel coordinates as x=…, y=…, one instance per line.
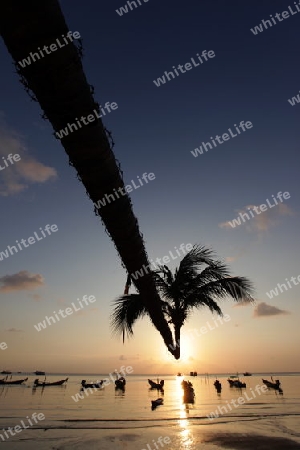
x=120, y=383
x=37, y=383
x=158, y=386
x=236, y=383
x=271, y=384
x=218, y=386
x=6, y=382
x=156, y=403
x=98, y=384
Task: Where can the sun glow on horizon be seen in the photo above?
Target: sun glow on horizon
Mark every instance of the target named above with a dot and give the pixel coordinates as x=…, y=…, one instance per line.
x=186, y=353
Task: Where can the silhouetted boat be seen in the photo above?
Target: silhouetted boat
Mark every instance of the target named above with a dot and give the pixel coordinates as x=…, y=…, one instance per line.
x=37, y=383
x=6, y=372
x=157, y=402
x=236, y=383
x=218, y=386
x=12, y=381
x=193, y=374
x=271, y=384
x=120, y=383
x=84, y=384
x=247, y=374
x=39, y=372
x=158, y=386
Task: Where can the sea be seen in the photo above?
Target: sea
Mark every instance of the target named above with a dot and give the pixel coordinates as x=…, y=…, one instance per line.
x=111, y=409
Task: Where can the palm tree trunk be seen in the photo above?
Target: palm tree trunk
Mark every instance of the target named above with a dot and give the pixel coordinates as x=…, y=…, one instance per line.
x=59, y=84
x=177, y=329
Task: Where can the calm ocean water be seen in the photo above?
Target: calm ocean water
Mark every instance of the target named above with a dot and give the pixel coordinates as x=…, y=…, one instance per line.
x=108, y=408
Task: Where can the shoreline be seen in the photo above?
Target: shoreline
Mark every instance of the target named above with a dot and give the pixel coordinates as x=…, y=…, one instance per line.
x=252, y=433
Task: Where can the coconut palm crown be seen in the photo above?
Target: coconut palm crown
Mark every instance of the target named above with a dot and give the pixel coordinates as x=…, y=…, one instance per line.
x=199, y=281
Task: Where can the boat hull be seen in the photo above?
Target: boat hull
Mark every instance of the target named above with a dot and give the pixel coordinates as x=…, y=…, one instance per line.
x=271, y=384
x=91, y=385
x=159, y=386
x=45, y=384
x=236, y=383
x=157, y=402
x=120, y=384
x=2, y=382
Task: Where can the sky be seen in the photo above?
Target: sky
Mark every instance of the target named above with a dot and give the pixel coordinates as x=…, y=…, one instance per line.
x=191, y=199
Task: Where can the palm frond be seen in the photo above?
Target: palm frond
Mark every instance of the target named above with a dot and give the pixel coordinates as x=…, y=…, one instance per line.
x=164, y=281
x=203, y=300
x=213, y=272
x=128, y=309
x=191, y=263
x=239, y=288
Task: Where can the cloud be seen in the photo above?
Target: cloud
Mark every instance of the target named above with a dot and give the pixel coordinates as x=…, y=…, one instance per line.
x=35, y=297
x=260, y=222
x=21, y=281
x=263, y=310
x=238, y=255
x=34, y=171
x=17, y=176
x=231, y=258
x=14, y=330
x=243, y=303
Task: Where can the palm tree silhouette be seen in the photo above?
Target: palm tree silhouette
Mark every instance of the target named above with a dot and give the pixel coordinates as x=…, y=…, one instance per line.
x=199, y=281
x=58, y=83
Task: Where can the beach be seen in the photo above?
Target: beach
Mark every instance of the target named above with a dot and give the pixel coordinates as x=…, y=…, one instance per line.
x=235, y=434
x=123, y=420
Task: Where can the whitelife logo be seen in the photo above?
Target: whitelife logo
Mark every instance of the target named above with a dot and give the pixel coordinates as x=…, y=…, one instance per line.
x=31, y=240
x=188, y=66
x=33, y=57
x=203, y=330
x=267, y=23
x=68, y=311
x=3, y=346
x=274, y=292
x=35, y=416
x=124, y=9
x=161, y=441
x=128, y=188
x=225, y=136
x=241, y=400
x=11, y=158
x=123, y=370
x=71, y=127
x=165, y=260
x=258, y=209
x=294, y=100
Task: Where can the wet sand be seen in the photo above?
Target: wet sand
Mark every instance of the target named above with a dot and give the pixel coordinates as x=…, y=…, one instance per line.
x=246, y=434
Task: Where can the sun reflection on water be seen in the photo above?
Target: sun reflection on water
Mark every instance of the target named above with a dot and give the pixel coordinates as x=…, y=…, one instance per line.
x=185, y=435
